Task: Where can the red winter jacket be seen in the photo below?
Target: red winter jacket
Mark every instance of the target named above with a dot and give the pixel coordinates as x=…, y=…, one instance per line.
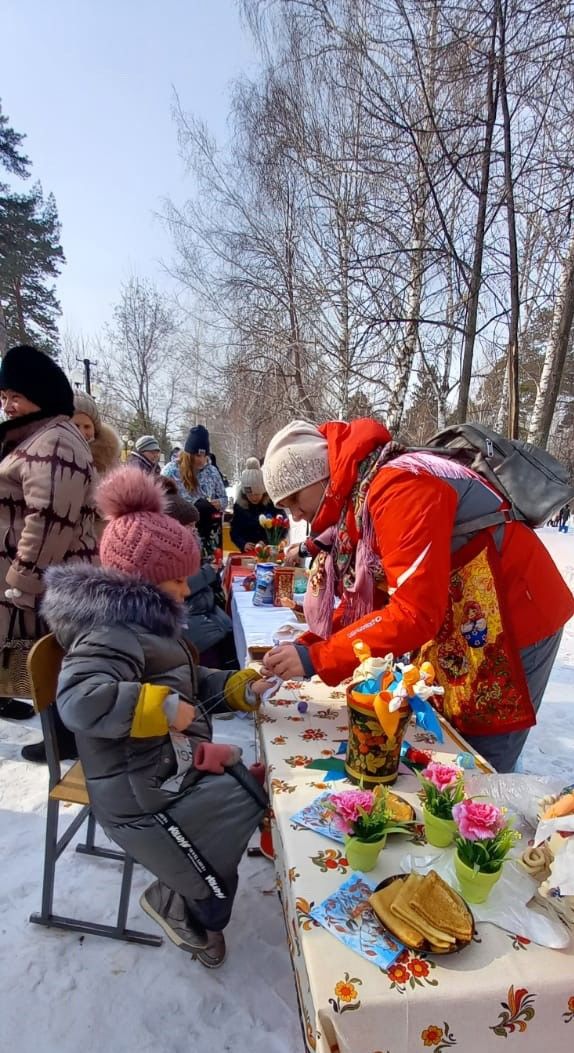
x=413, y=516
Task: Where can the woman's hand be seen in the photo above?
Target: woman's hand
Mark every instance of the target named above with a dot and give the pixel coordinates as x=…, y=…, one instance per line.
x=291, y=556
x=283, y=661
x=184, y=717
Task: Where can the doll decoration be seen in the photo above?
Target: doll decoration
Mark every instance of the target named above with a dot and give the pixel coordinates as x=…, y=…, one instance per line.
x=474, y=628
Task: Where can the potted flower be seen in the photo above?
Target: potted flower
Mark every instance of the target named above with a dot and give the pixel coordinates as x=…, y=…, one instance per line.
x=485, y=838
x=364, y=817
x=442, y=788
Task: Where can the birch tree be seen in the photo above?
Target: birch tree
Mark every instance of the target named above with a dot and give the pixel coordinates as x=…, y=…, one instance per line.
x=555, y=356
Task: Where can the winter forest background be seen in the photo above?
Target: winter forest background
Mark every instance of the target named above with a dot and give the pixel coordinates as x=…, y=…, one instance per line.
x=387, y=230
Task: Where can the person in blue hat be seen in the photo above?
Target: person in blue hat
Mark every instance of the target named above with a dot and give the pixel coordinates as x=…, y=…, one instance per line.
x=199, y=481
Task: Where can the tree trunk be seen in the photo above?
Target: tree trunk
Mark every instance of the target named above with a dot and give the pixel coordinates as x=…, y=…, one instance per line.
x=476, y=273
x=502, y=415
x=3, y=333
x=405, y=356
x=512, y=351
x=555, y=356
x=19, y=312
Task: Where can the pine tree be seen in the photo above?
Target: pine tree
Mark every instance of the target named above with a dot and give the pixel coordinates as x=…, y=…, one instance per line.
x=11, y=157
x=14, y=161
x=30, y=255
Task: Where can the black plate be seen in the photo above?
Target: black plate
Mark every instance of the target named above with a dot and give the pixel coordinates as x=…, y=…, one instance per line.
x=426, y=947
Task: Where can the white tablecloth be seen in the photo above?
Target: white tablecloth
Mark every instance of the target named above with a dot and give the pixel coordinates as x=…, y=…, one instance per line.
x=254, y=625
x=503, y=990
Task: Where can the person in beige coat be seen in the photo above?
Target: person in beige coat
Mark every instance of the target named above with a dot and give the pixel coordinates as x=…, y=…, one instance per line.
x=105, y=443
x=46, y=507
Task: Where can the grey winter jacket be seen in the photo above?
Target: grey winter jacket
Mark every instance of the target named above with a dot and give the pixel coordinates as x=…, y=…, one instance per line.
x=120, y=633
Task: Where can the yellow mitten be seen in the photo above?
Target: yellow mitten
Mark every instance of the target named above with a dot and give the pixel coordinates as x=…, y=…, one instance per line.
x=236, y=687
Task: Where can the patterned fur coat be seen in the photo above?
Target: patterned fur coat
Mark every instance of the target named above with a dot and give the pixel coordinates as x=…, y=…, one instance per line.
x=46, y=510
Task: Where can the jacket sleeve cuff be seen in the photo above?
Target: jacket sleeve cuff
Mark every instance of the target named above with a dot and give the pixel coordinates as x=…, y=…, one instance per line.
x=16, y=579
x=308, y=667
x=170, y=706
x=149, y=720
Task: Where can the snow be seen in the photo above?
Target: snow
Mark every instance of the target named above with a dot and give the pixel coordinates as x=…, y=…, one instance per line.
x=63, y=992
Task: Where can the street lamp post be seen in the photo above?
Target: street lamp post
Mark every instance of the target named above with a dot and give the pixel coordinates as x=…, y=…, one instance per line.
x=87, y=364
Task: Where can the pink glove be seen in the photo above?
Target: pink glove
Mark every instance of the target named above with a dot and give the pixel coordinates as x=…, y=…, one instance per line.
x=215, y=757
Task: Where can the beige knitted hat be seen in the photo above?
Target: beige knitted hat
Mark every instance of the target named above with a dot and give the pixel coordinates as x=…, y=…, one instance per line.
x=84, y=403
x=252, y=477
x=297, y=456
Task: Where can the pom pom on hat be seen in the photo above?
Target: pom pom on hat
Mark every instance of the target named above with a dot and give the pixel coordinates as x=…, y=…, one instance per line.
x=125, y=492
x=252, y=477
x=140, y=538
x=297, y=456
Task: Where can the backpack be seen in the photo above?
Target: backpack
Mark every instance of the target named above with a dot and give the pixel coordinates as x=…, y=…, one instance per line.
x=534, y=483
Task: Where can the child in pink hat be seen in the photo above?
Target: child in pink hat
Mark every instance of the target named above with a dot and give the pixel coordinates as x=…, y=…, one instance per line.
x=140, y=707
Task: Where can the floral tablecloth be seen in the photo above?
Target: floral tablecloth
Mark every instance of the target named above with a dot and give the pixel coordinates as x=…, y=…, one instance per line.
x=501, y=987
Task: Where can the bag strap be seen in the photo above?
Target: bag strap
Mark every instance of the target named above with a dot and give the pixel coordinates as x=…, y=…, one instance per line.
x=508, y=515
x=246, y=780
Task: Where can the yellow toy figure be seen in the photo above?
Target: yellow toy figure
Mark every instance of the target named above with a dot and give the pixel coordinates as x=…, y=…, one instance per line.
x=370, y=668
x=405, y=688
x=426, y=688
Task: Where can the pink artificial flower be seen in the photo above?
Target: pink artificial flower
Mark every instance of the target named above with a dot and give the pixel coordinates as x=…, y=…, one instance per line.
x=442, y=776
x=478, y=822
x=349, y=806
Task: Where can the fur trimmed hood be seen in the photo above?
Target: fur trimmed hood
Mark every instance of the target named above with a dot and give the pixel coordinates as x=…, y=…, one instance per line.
x=106, y=449
x=80, y=598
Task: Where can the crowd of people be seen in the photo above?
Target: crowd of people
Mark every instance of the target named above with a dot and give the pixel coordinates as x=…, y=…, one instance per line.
x=106, y=556
x=118, y=562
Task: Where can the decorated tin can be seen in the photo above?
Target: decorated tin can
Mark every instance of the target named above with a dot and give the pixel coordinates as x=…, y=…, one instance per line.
x=283, y=584
x=263, y=594
x=373, y=757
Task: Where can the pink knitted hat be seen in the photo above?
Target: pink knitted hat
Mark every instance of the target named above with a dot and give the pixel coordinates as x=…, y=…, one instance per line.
x=140, y=537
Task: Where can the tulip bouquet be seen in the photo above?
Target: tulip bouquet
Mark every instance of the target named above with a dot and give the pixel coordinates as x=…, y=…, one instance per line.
x=274, y=527
x=442, y=788
x=485, y=835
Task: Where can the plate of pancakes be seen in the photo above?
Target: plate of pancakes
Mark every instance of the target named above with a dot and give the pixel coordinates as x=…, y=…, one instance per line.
x=423, y=912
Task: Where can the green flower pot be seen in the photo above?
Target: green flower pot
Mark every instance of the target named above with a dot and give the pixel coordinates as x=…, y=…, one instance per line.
x=475, y=886
x=363, y=855
x=438, y=832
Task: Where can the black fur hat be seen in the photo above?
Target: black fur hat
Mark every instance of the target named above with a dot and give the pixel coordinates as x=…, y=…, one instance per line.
x=31, y=373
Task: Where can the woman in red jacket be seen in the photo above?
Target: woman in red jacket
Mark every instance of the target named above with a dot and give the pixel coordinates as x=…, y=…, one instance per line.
x=410, y=579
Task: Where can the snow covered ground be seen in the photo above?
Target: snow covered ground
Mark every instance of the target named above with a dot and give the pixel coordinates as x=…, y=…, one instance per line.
x=62, y=992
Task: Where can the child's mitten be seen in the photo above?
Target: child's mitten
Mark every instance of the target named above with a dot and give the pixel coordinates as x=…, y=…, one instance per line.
x=215, y=757
x=237, y=691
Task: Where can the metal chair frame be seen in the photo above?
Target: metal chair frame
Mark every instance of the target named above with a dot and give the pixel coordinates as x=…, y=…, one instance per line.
x=43, y=667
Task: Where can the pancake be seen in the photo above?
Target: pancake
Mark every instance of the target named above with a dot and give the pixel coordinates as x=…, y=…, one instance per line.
x=381, y=903
x=437, y=904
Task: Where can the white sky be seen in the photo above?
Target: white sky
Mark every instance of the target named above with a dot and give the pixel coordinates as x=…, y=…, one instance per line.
x=91, y=83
